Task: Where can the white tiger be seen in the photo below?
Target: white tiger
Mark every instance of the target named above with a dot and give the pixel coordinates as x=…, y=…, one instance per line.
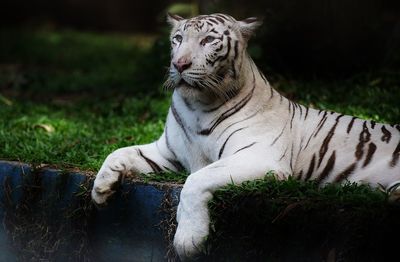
x=227, y=124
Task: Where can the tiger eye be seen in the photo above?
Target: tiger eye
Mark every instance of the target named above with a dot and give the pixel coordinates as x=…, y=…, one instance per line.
x=178, y=38
x=207, y=40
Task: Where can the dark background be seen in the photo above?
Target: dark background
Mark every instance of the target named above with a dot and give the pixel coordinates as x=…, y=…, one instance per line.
x=301, y=37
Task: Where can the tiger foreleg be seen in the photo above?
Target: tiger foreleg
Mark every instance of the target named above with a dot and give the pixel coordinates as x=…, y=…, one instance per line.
x=127, y=161
x=193, y=215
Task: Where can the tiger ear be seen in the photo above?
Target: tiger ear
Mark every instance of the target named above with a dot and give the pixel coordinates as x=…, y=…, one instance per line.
x=173, y=20
x=248, y=26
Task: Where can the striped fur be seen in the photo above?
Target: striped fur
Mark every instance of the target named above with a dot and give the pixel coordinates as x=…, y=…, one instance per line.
x=227, y=124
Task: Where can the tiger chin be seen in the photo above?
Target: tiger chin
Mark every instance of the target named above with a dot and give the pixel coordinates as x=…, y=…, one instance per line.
x=227, y=124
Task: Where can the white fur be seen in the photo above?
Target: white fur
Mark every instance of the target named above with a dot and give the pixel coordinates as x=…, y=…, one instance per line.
x=268, y=133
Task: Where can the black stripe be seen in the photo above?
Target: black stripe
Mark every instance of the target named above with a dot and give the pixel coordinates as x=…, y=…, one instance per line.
x=328, y=168
x=300, y=149
x=395, y=156
x=370, y=154
x=325, y=144
x=308, y=141
x=267, y=84
x=294, y=111
x=214, y=31
x=305, y=117
x=214, y=108
x=244, y=119
x=252, y=144
x=236, y=108
x=178, y=166
x=280, y=134
x=236, y=48
x=321, y=123
x=229, y=49
x=346, y=173
x=224, y=57
x=284, y=154
x=151, y=163
x=291, y=158
x=386, y=135
x=263, y=76
x=167, y=141
x=373, y=123
x=300, y=175
x=220, y=20
x=350, y=126
x=233, y=69
x=219, y=48
x=167, y=169
x=221, y=151
x=213, y=21
x=187, y=104
x=318, y=128
x=179, y=120
x=301, y=111
x=224, y=17
x=364, y=137
x=310, y=168
x=201, y=25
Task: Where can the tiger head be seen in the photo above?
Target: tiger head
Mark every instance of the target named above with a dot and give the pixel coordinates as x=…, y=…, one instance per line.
x=207, y=53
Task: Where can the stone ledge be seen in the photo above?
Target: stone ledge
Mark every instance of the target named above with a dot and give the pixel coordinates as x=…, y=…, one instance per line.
x=128, y=229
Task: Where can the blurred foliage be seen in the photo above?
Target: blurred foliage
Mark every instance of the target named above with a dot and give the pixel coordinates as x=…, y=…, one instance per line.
x=46, y=61
x=334, y=38
x=184, y=9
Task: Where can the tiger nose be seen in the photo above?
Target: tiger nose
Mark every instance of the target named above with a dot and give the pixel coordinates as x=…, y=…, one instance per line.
x=182, y=65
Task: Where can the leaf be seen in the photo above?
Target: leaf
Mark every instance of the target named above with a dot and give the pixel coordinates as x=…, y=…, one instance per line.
x=375, y=82
x=46, y=127
x=5, y=100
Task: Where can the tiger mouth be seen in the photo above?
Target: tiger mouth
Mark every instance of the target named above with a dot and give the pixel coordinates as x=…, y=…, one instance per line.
x=184, y=83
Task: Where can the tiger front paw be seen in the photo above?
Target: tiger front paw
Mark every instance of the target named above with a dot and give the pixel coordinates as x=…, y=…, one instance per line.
x=107, y=181
x=103, y=189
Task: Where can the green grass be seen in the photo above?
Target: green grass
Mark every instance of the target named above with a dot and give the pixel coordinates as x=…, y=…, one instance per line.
x=83, y=133
x=270, y=220
x=70, y=98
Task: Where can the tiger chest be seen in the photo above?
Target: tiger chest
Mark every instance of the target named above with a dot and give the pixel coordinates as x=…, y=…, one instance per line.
x=194, y=154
